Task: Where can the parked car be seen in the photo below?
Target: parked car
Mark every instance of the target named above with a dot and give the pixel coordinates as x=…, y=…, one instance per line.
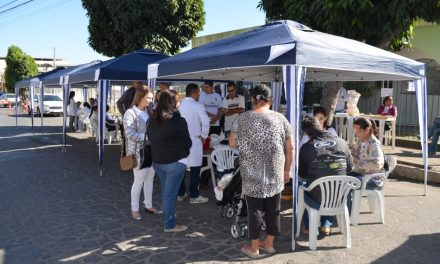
x=7, y=98
x=52, y=104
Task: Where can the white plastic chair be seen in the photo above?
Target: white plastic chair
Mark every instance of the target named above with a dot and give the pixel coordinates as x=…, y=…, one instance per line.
x=376, y=196
x=341, y=124
x=87, y=125
x=334, y=191
x=95, y=132
x=223, y=157
x=210, y=168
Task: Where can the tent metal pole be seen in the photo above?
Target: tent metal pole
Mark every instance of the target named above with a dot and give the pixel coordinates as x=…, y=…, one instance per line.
x=31, y=103
x=16, y=106
x=42, y=107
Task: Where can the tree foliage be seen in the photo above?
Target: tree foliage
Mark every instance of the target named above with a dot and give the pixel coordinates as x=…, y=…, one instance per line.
x=385, y=24
x=19, y=66
x=117, y=27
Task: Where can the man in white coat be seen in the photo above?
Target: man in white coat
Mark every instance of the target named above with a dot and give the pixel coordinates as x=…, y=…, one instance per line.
x=198, y=127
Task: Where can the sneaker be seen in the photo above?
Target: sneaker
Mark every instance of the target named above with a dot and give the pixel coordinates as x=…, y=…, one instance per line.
x=180, y=198
x=198, y=200
x=176, y=229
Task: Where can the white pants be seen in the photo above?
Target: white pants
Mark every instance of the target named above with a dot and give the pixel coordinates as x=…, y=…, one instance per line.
x=142, y=178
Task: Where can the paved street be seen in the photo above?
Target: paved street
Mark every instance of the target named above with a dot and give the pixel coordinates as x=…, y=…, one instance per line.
x=54, y=207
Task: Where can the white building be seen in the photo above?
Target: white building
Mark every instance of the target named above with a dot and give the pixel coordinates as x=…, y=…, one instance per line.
x=44, y=65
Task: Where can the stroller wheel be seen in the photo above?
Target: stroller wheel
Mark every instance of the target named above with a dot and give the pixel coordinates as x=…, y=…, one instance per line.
x=243, y=229
x=222, y=211
x=229, y=212
x=236, y=231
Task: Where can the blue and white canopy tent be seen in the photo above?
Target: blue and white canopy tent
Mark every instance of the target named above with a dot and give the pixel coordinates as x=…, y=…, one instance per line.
x=295, y=53
x=31, y=83
x=129, y=67
x=57, y=79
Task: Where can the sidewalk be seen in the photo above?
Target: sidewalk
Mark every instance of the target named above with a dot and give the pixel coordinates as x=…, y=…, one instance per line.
x=410, y=165
x=54, y=207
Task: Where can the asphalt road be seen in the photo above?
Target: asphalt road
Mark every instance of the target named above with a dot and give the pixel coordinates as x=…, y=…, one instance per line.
x=54, y=207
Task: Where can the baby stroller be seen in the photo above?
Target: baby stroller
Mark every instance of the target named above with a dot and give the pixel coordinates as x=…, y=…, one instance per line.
x=230, y=196
x=232, y=202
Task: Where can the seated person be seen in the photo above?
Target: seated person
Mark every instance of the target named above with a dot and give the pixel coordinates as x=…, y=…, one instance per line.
x=93, y=116
x=320, y=113
x=367, y=152
x=110, y=123
x=323, y=155
x=83, y=116
x=389, y=109
x=434, y=133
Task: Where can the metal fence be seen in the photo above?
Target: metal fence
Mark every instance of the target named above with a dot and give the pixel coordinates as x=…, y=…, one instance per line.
x=407, y=119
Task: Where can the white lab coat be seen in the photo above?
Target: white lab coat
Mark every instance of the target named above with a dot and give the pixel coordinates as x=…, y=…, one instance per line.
x=198, y=127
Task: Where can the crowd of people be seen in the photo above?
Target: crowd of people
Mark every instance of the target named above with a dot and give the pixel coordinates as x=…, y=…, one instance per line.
x=176, y=130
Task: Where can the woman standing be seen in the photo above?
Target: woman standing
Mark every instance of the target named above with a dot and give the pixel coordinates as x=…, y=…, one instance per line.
x=264, y=140
x=170, y=145
x=72, y=109
x=135, y=120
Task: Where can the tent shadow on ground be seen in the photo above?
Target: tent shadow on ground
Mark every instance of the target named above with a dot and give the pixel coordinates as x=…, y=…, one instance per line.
x=417, y=249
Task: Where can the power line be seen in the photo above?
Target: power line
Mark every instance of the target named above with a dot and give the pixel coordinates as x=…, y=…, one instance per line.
x=14, y=7
x=9, y=19
x=8, y=4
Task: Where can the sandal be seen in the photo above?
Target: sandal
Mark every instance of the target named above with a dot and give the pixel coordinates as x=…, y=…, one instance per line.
x=153, y=210
x=268, y=250
x=135, y=215
x=246, y=249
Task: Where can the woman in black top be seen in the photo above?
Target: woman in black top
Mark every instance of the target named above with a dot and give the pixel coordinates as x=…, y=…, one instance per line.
x=170, y=145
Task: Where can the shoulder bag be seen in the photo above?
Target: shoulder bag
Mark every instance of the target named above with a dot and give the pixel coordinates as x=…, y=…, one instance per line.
x=145, y=151
x=127, y=162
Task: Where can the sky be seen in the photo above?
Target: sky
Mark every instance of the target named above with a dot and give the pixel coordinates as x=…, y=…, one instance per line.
x=41, y=26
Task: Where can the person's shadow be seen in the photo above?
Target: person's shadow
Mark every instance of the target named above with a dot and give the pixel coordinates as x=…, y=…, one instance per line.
x=417, y=249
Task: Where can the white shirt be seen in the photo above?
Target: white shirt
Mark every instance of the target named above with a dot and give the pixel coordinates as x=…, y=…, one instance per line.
x=198, y=128
x=85, y=112
x=212, y=102
x=72, y=109
x=236, y=102
x=342, y=98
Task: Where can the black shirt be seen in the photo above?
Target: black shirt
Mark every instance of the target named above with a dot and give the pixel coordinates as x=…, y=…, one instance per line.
x=323, y=155
x=170, y=142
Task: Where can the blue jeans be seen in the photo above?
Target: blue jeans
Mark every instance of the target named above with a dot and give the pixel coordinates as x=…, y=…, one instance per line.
x=433, y=132
x=193, y=185
x=326, y=220
x=370, y=186
x=170, y=176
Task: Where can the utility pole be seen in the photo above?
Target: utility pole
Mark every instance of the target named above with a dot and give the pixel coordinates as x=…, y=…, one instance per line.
x=54, y=58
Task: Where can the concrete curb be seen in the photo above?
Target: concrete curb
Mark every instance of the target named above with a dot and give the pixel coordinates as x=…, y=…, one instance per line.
x=415, y=174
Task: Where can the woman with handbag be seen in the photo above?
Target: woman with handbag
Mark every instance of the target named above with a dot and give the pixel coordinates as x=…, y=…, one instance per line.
x=135, y=121
x=170, y=145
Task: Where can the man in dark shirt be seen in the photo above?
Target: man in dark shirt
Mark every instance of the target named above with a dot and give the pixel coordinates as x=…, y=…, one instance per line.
x=323, y=155
x=126, y=99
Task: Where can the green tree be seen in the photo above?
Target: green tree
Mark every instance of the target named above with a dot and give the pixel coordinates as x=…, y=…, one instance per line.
x=19, y=66
x=117, y=27
x=386, y=24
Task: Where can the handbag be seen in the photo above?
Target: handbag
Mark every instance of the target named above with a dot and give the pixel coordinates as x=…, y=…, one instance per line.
x=145, y=152
x=127, y=162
